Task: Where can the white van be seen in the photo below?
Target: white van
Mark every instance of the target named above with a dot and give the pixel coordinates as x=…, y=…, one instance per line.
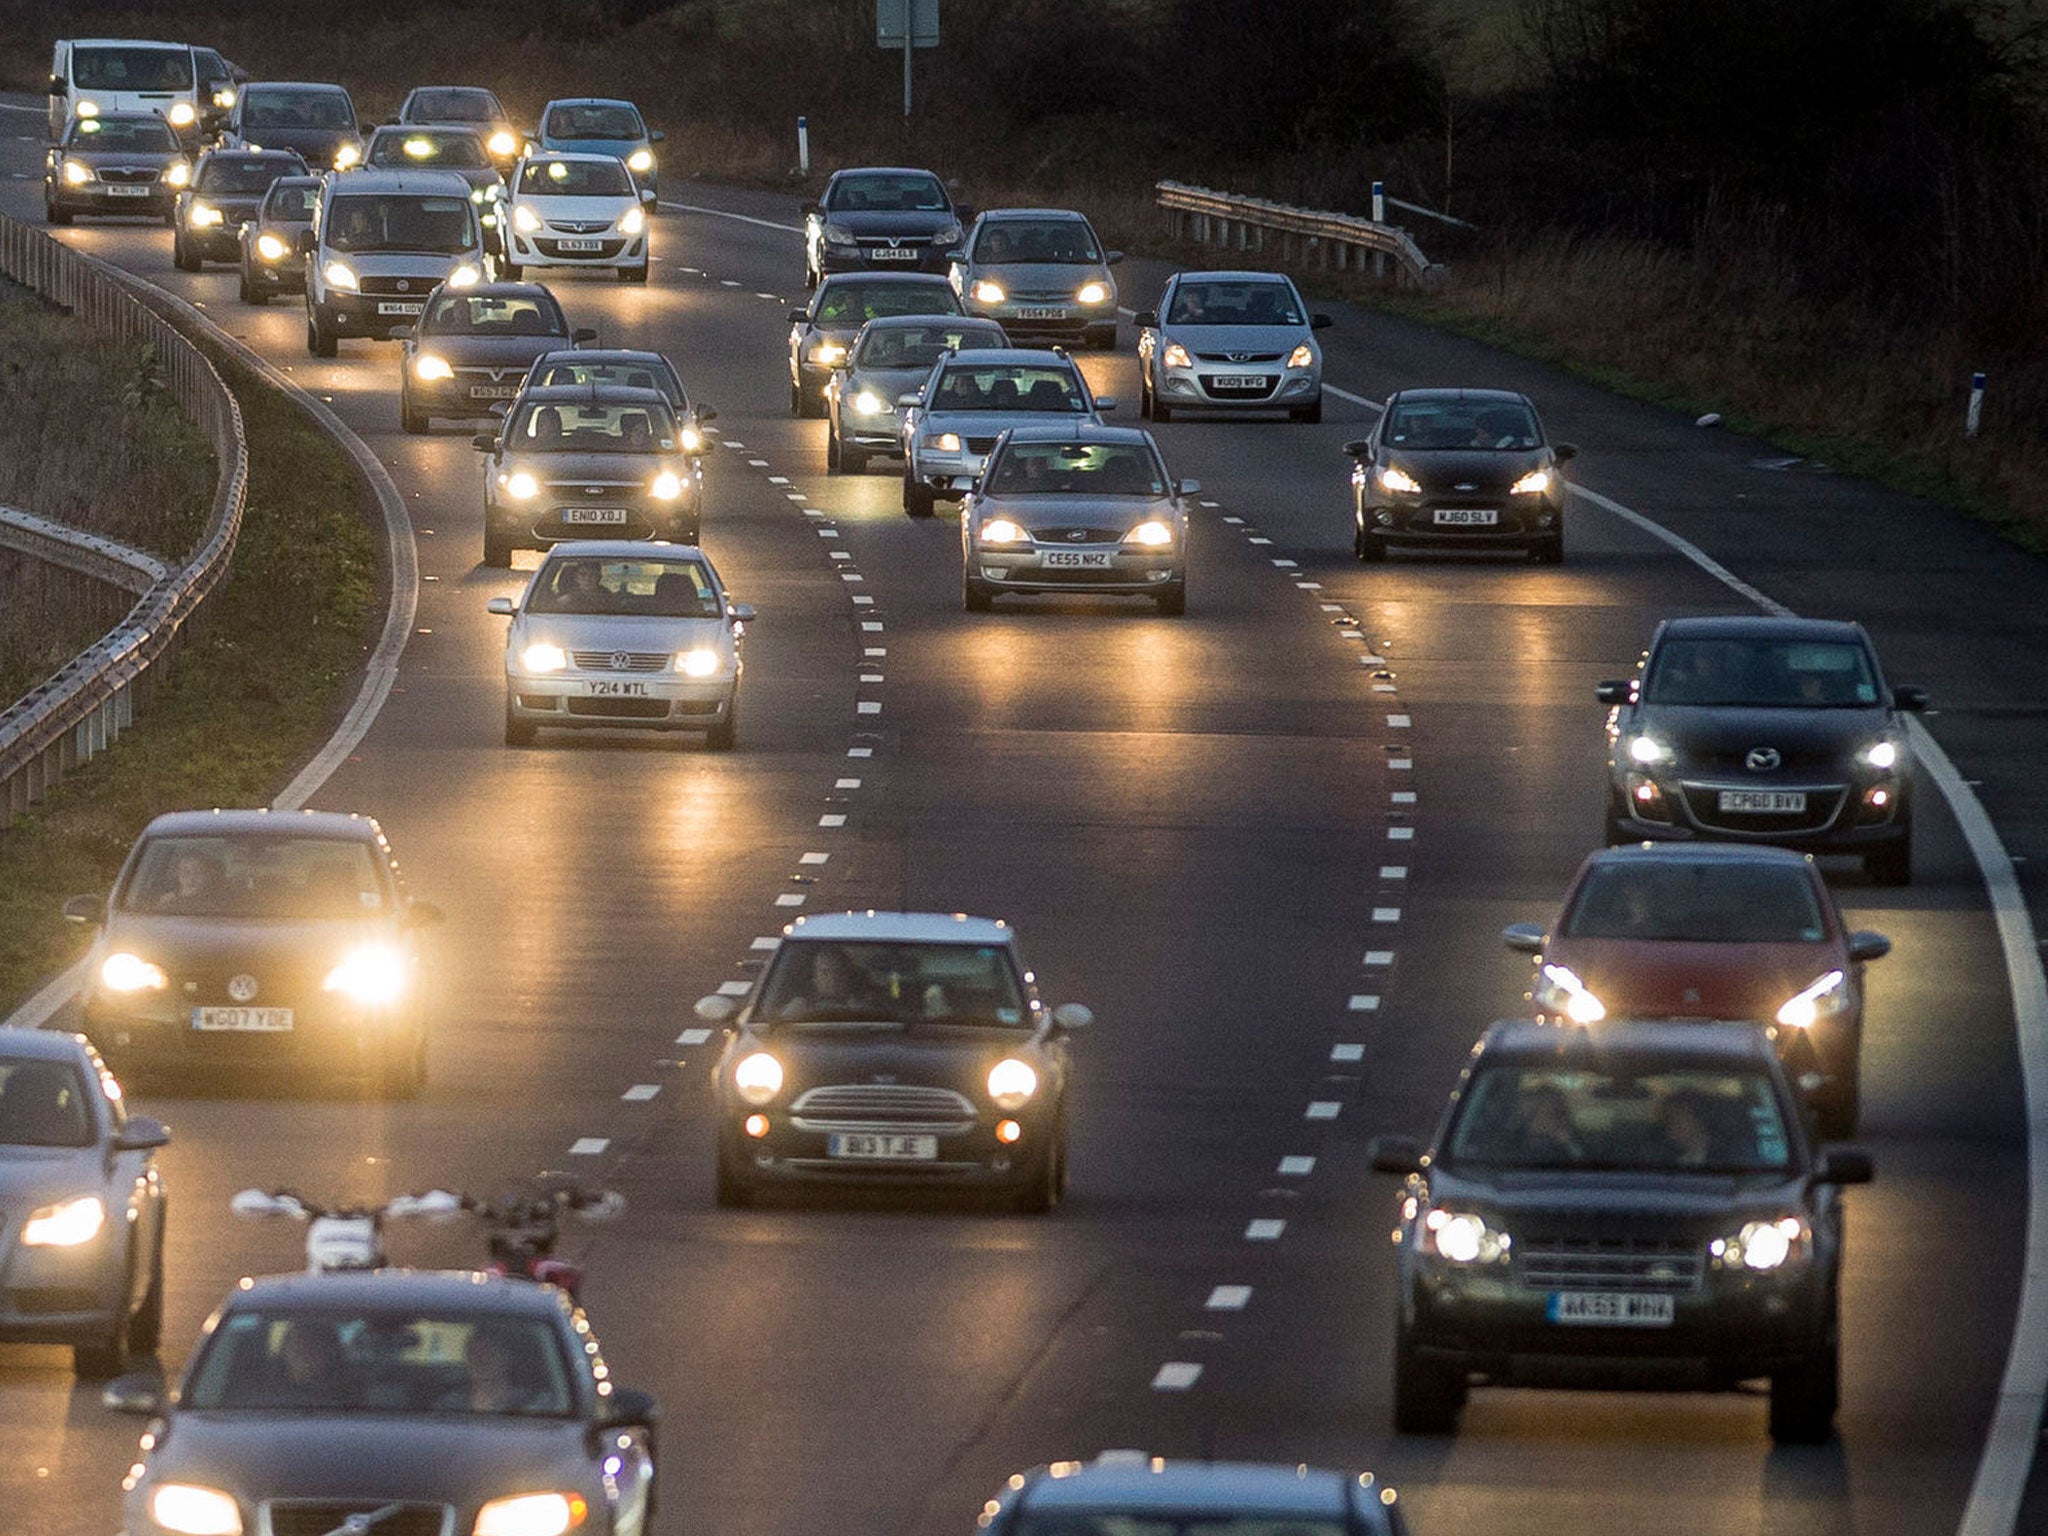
x=182, y=84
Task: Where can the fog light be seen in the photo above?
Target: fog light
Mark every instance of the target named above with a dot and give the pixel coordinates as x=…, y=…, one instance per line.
x=1646, y=800
x=1877, y=797
x=1384, y=518
x=755, y=1126
x=1009, y=1132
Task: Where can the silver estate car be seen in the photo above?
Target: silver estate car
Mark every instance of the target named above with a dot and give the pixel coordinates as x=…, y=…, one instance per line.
x=616, y=634
x=1040, y=272
x=969, y=400
x=1077, y=507
x=890, y=357
x=1230, y=341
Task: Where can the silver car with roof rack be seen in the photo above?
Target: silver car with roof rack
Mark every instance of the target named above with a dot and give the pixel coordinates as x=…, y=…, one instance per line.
x=969, y=400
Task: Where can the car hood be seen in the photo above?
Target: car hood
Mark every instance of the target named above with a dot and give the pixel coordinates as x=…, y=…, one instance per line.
x=283, y=227
x=1483, y=469
x=316, y=146
x=1646, y=978
x=893, y=222
x=1041, y=276
x=1056, y=512
x=817, y=1055
x=492, y=351
x=186, y=944
x=34, y=1176
x=457, y=1459
x=618, y=632
x=888, y=382
x=1211, y=339
x=599, y=468
x=1632, y=1199
x=579, y=210
x=157, y=158
x=1718, y=731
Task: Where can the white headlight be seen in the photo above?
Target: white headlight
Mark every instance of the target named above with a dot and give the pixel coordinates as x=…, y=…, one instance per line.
x=1392, y=478
x=1829, y=994
x=371, y=974
x=270, y=248
x=946, y=442
x=67, y=1224
x=1152, y=533
x=667, y=486
x=341, y=275
x=88, y=109
x=987, y=292
x=347, y=156
x=640, y=160
x=702, y=662
x=183, y=115
x=1882, y=754
x=525, y=220
x=502, y=144
x=542, y=657
x=826, y=353
x=1464, y=1238
x=123, y=972
x=1762, y=1245
x=1176, y=356
x=868, y=403
x=693, y=440
x=1646, y=749
x=1000, y=530
x=1012, y=1082
x=758, y=1078
x=632, y=221
x=1093, y=293
x=188, y=1510
x=1534, y=483
x=77, y=173
x=179, y=175
x=532, y=1514
x=464, y=276
x=521, y=486
x=1559, y=990
x=429, y=367
x=838, y=234
x=1302, y=356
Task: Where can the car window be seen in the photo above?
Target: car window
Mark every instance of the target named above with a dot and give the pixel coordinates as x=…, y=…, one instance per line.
x=817, y=981
x=1761, y=674
x=844, y=302
x=451, y=151
x=1451, y=423
x=625, y=375
x=494, y=314
x=663, y=589
x=235, y=175
x=123, y=134
x=291, y=203
x=1700, y=1119
x=1229, y=303
x=595, y=121
x=1008, y=387
x=605, y=427
x=296, y=109
x=334, y=1360
x=131, y=69
x=880, y=192
x=1036, y=240
x=1075, y=469
x=255, y=875
x=397, y=222
x=576, y=178
x=1708, y=902
x=43, y=1104
x=453, y=104
x=919, y=346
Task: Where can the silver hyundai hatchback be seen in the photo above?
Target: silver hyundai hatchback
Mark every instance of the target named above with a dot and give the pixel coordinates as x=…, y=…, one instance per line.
x=1230, y=341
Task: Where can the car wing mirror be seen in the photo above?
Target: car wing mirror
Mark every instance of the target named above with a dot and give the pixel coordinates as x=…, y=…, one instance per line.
x=485, y=442
x=1395, y=1154
x=1146, y=319
x=1105, y=402
x=1188, y=487
x=1360, y=449
x=424, y=914
x=404, y=332
x=958, y=258
x=656, y=136
x=1113, y=258
x=1523, y=938
x=1612, y=691
x=706, y=414
x=1864, y=944
x=742, y=613
x=1912, y=700
x=59, y=85
x=965, y=212
x=1320, y=322
x=910, y=401
x=142, y=1134
x=305, y=242
x=1843, y=1165
x=1564, y=453
x=717, y=1008
x=85, y=909
x=649, y=197
x=581, y=334
x=1073, y=1016
x=501, y=606
x=140, y=1393
x=799, y=317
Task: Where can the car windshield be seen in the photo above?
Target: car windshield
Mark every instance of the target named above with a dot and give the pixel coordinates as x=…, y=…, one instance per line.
x=401, y=1360
x=291, y=203
x=453, y=104
x=297, y=109
x=1064, y=1521
x=1224, y=303
x=455, y=151
x=621, y=375
x=1008, y=387
x=1708, y=1119
x=655, y=589
x=1696, y=902
x=43, y=1104
x=256, y=875
x=1036, y=240
x=494, y=314
x=576, y=178
x=872, y=192
x=1076, y=469
x=818, y=981
x=591, y=120
x=919, y=346
x=850, y=302
x=219, y=175
x=1761, y=674
x=125, y=135
x=131, y=69
x=603, y=427
x=1507, y=426
x=399, y=222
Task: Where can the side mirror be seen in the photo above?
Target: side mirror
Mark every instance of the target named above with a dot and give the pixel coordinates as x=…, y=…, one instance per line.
x=1145, y=320
x=1073, y=1016
x=957, y=257
x=485, y=442
x=1395, y=1154
x=910, y=401
x=648, y=197
x=717, y=1008
x=1360, y=448
x=742, y=613
x=1113, y=258
x=59, y=85
x=705, y=414
x=1187, y=487
x=965, y=212
x=84, y=909
x=501, y=606
x=799, y=317
x=1564, y=453
x=1912, y=700
x=655, y=136
x=630, y=1409
x=1523, y=938
x=1867, y=945
x=581, y=334
x=1843, y=1165
x=424, y=914
x=1320, y=322
x=1613, y=691
x=142, y=1134
x=1105, y=402
x=141, y=1394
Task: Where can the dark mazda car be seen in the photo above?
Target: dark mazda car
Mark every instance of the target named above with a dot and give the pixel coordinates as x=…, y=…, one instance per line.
x=228, y=187
x=1710, y=931
x=472, y=348
x=1458, y=469
x=1630, y=1206
x=1764, y=730
x=894, y=1047
x=881, y=219
x=392, y=1403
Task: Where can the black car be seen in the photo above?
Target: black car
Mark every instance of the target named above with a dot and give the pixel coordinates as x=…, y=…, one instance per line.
x=881, y=219
x=472, y=348
x=1629, y=1204
x=393, y=1402
x=1765, y=730
x=271, y=259
x=1458, y=469
x=128, y=163
x=316, y=121
x=894, y=1048
x=821, y=333
x=468, y=106
x=228, y=188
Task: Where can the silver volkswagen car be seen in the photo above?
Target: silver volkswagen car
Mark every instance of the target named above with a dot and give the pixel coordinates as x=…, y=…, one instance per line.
x=1230, y=341
x=1078, y=507
x=969, y=400
x=1040, y=272
x=617, y=634
x=888, y=358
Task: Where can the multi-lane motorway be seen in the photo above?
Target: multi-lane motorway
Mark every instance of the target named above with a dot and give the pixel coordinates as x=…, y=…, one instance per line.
x=1274, y=866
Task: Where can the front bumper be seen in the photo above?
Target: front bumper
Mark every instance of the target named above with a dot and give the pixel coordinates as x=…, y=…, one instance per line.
x=1273, y=387
x=544, y=522
x=572, y=700
x=325, y=1034
x=1057, y=319
x=1035, y=569
x=1838, y=817
x=375, y=315
x=287, y=275
x=969, y=1156
x=154, y=201
x=1472, y=522
x=843, y=258
x=216, y=242
x=546, y=250
x=873, y=434
x=61, y=1295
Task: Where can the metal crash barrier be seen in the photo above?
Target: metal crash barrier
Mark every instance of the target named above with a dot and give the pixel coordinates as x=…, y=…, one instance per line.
x=1335, y=241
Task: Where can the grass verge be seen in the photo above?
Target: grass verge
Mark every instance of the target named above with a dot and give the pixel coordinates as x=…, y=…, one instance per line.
x=251, y=695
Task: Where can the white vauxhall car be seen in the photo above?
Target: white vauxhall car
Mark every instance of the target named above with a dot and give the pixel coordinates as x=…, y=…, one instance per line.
x=568, y=210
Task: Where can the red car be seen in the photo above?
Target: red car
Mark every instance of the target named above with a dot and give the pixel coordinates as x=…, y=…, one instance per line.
x=1713, y=931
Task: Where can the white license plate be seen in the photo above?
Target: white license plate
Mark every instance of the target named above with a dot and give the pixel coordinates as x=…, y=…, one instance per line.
x=401, y=306
x=113, y=191
x=1465, y=517
x=882, y=1146
x=1041, y=312
x=1069, y=558
x=1611, y=1309
x=1239, y=381
x=269, y=1021
x=575, y=247
x=1764, y=802
x=494, y=391
x=894, y=255
x=603, y=688
x=593, y=514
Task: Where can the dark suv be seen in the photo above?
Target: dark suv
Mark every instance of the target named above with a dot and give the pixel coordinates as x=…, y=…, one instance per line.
x=1633, y=1204
x=1764, y=730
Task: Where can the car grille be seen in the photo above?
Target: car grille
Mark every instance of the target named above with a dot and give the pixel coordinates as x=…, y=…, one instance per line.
x=1823, y=804
x=979, y=444
x=1078, y=535
x=608, y=661
x=1259, y=391
x=621, y=709
x=605, y=251
x=405, y=287
x=1560, y=1263
x=324, y=1518
x=883, y=1107
x=129, y=175
x=1824, y=762
x=1225, y=357
x=579, y=226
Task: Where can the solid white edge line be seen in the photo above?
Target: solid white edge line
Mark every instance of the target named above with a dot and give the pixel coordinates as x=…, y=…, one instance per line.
x=1344, y=394
x=2000, y=1486
x=737, y=218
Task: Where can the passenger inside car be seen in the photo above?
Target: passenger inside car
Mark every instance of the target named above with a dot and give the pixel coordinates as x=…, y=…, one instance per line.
x=42, y=1104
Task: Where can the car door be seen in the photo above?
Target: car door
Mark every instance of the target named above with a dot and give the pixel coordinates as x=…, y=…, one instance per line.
x=134, y=1186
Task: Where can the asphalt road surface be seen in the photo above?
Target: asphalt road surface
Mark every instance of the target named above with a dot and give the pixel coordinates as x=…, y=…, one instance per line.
x=1276, y=869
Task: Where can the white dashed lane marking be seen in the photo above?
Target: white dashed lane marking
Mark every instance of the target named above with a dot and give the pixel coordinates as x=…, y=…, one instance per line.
x=1322, y=1109
x=589, y=1146
x=1403, y=797
x=1386, y=914
x=846, y=783
x=790, y=899
x=815, y=858
x=765, y=942
x=735, y=988
x=1393, y=871
x=860, y=751
x=1364, y=1002
x=1349, y=1050
x=1401, y=834
x=869, y=707
x=1176, y=1376
x=693, y=1037
x=832, y=820
x=1297, y=1167
x=1378, y=957
x=1228, y=1298
x=640, y=1093
x=1266, y=1229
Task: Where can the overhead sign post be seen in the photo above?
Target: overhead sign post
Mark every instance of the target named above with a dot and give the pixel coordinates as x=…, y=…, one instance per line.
x=906, y=24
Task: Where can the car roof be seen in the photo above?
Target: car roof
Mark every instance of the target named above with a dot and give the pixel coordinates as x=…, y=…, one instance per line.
x=341, y=824
x=626, y=549
x=1676, y=1041
x=296, y=181
x=886, y=322
x=418, y=130
x=887, y=279
x=901, y=927
x=122, y=117
x=121, y=42
x=41, y=1045
x=1494, y=396
x=221, y=152
x=1149, y=1484
x=884, y=170
x=1072, y=215
x=1037, y=357
x=588, y=101
x=474, y=90
x=454, y=1289
x=1739, y=626
x=1698, y=853
x=607, y=355
x=260, y=86
x=403, y=181
x=1077, y=429
x=1234, y=276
